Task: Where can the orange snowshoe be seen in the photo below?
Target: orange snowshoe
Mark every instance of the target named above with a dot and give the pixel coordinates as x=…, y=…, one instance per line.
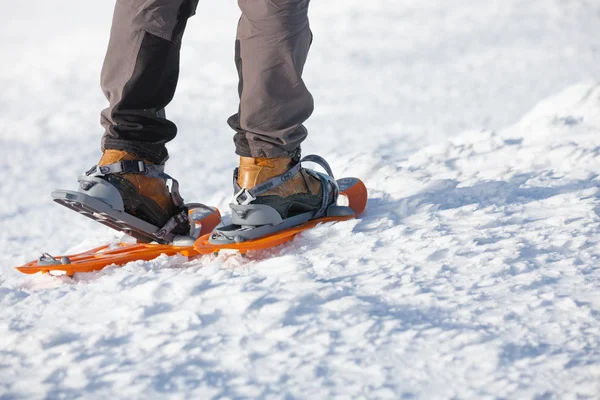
x=204, y=220
x=256, y=225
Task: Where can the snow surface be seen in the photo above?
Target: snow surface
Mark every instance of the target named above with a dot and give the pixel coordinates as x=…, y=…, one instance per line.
x=474, y=273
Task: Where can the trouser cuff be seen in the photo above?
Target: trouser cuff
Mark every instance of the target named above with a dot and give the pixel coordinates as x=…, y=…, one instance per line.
x=252, y=145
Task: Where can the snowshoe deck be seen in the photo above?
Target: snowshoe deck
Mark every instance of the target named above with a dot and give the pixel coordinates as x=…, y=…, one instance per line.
x=352, y=188
x=119, y=254
x=103, y=256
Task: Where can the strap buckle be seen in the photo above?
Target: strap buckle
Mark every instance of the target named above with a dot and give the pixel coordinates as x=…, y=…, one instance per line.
x=91, y=170
x=132, y=166
x=243, y=197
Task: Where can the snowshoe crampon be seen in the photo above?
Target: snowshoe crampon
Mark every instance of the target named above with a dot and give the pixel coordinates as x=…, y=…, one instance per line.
x=258, y=226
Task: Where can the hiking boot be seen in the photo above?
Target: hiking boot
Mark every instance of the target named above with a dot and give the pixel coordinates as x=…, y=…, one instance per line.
x=144, y=197
x=301, y=193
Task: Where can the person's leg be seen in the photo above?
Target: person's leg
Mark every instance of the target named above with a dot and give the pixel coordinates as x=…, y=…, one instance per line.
x=272, y=44
x=140, y=74
x=139, y=77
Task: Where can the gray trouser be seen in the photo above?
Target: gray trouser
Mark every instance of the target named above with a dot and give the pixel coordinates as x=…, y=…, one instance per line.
x=141, y=68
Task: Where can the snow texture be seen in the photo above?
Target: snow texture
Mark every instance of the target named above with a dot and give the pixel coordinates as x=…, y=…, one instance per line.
x=474, y=273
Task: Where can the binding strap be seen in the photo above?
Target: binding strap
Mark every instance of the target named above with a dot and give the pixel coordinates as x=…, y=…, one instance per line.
x=126, y=167
x=139, y=167
x=246, y=196
x=179, y=218
x=318, y=160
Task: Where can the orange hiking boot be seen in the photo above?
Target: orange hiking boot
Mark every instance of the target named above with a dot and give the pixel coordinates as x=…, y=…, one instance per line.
x=145, y=197
x=300, y=193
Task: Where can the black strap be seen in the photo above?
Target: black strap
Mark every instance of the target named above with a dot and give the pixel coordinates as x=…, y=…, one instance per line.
x=128, y=167
x=178, y=219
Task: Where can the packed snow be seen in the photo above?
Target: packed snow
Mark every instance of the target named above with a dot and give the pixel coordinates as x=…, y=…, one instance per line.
x=474, y=272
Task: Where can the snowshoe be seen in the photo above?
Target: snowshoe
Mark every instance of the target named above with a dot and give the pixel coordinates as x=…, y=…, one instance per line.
x=258, y=225
x=100, y=199
x=204, y=221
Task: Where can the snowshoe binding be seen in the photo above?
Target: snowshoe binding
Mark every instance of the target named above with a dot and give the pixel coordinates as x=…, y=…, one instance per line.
x=131, y=196
x=262, y=217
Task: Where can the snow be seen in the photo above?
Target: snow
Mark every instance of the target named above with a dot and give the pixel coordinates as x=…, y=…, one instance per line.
x=474, y=272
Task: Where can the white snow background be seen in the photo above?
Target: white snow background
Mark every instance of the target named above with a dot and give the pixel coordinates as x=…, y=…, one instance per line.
x=474, y=273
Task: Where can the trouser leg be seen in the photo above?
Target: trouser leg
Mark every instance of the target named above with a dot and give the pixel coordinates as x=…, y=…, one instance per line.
x=272, y=44
x=140, y=73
